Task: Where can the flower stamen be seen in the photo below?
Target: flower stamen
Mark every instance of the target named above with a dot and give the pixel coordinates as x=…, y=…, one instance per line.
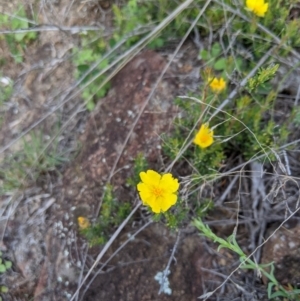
x=158, y=192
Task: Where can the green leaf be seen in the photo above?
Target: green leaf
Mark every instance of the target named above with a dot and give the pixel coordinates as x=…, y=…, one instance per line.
x=83, y=68
x=86, y=94
x=220, y=247
x=118, y=14
x=102, y=92
x=18, y=23
x=31, y=35
x=156, y=43
x=113, y=41
x=84, y=56
x=132, y=5
x=18, y=58
x=8, y=264
x=247, y=266
x=2, y=268
x=20, y=36
x=90, y=105
x=278, y=294
x=4, y=289
x=220, y=64
x=216, y=49
x=204, y=55
x=270, y=286
x=297, y=118
x=103, y=64
x=294, y=292
x=239, y=64
x=4, y=20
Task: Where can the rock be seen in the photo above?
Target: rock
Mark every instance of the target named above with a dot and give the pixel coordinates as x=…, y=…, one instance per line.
x=287, y=77
x=283, y=249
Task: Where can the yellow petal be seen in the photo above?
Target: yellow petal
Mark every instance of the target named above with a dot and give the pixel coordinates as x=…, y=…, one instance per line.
x=155, y=204
x=263, y=9
x=144, y=191
x=169, y=183
x=142, y=187
x=216, y=84
x=83, y=222
x=168, y=201
x=150, y=177
x=205, y=136
x=250, y=4
x=258, y=7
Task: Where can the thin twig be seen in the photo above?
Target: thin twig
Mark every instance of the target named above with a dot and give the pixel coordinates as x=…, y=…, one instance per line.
x=43, y=28
x=166, y=270
x=227, y=190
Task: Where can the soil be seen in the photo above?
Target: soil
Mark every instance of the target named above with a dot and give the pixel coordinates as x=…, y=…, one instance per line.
x=44, y=261
x=39, y=228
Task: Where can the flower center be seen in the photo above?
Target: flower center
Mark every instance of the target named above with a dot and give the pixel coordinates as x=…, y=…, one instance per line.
x=205, y=138
x=157, y=191
x=256, y=8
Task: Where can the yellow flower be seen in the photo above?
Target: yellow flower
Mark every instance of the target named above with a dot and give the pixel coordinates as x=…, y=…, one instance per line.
x=158, y=191
x=258, y=7
x=205, y=136
x=83, y=222
x=217, y=85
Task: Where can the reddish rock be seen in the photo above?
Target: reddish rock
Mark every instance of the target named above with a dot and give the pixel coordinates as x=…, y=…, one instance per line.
x=283, y=249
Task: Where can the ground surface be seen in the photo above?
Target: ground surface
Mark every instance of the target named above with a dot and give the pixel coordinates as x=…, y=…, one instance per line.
x=40, y=232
